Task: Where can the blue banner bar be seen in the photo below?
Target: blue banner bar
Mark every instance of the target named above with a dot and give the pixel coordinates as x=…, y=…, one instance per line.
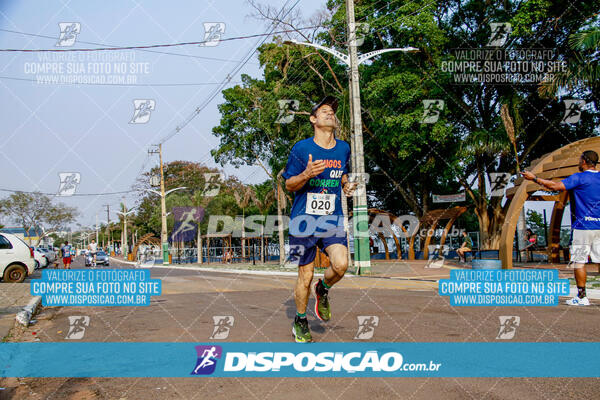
x=227, y=359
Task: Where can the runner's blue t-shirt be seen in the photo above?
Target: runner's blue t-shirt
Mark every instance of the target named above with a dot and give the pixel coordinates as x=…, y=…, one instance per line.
x=586, y=191
x=327, y=182
x=66, y=251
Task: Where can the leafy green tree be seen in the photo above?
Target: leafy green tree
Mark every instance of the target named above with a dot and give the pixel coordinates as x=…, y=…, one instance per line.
x=484, y=127
x=37, y=211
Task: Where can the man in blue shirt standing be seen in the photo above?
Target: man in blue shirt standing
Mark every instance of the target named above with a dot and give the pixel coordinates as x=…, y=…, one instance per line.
x=585, y=224
x=317, y=172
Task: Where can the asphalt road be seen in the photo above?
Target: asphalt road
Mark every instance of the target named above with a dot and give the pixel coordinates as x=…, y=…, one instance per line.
x=263, y=308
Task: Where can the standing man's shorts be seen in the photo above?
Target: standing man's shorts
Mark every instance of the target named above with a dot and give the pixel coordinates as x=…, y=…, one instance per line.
x=585, y=244
x=303, y=249
x=66, y=260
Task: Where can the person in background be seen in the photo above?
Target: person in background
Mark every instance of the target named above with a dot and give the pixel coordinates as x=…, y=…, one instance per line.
x=584, y=187
x=65, y=252
x=531, y=244
x=465, y=247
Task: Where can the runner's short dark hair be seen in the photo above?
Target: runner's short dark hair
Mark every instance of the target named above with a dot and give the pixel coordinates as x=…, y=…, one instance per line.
x=590, y=157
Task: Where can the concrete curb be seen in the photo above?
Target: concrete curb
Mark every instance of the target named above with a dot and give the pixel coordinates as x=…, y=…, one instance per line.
x=192, y=267
x=23, y=317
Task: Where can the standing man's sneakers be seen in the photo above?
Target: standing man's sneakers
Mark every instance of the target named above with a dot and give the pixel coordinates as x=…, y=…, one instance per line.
x=322, y=310
x=301, y=331
x=577, y=301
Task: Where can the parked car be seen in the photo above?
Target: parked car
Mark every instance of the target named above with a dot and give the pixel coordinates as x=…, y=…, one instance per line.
x=50, y=255
x=82, y=252
x=101, y=258
x=16, y=259
x=41, y=261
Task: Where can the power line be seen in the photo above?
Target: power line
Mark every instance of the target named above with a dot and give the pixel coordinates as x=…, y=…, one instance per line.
x=227, y=79
x=45, y=82
x=105, y=45
x=73, y=195
x=154, y=46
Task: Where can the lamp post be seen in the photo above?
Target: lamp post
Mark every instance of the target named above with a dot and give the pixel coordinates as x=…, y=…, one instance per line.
x=163, y=209
x=362, y=256
x=124, y=245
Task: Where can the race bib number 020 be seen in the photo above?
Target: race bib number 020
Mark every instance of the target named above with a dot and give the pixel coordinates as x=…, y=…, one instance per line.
x=320, y=203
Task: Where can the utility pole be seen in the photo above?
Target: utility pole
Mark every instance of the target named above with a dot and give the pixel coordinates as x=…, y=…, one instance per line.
x=125, y=213
x=362, y=255
x=96, y=229
x=107, y=225
x=163, y=209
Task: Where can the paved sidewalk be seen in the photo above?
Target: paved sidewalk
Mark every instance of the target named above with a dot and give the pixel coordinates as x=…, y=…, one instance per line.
x=13, y=297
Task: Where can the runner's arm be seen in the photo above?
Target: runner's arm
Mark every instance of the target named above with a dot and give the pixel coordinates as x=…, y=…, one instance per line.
x=313, y=168
x=548, y=184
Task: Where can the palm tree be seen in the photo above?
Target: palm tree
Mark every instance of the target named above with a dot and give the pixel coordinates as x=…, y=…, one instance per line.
x=263, y=206
x=582, y=70
x=243, y=194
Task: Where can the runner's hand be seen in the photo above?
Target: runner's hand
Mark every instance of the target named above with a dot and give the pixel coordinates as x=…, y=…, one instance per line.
x=313, y=168
x=528, y=175
x=349, y=188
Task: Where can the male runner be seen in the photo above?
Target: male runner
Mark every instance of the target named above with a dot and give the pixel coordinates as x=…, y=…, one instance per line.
x=317, y=171
x=93, y=248
x=585, y=224
x=65, y=251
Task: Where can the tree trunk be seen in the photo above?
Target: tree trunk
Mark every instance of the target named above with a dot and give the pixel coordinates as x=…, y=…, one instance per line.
x=262, y=244
x=280, y=220
x=199, y=245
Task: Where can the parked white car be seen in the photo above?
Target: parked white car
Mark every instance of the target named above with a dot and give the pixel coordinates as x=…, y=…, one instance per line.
x=41, y=261
x=16, y=259
x=50, y=254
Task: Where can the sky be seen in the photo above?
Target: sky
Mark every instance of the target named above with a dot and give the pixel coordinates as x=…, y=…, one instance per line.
x=48, y=129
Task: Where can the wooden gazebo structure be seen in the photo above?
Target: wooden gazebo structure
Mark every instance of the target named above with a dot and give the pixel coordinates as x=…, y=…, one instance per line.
x=148, y=238
x=430, y=221
x=556, y=166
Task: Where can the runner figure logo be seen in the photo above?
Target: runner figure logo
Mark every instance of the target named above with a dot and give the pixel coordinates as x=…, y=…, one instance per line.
x=499, y=35
x=285, y=106
x=207, y=359
x=142, y=108
x=223, y=324
x=146, y=258
x=362, y=28
x=366, y=326
x=362, y=179
x=186, y=223
x=212, y=183
x=508, y=327
x=436, y=259
x=68, y=33
x=212, y=33
x=294, y=255
x=432, y=110
x=68, y=183
x=579, y=254
x=573, y=110
x=498, y=182
x=77, y=325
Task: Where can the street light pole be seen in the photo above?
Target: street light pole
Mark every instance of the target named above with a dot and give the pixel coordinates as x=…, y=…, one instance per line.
x=163, y=211
x=125, y=213
x=163, y=235
x=362, y=256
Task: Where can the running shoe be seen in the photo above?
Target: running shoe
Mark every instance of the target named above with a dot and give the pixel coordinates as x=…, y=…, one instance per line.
x=322, y=310
x=301, y=331
x=576, y=301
